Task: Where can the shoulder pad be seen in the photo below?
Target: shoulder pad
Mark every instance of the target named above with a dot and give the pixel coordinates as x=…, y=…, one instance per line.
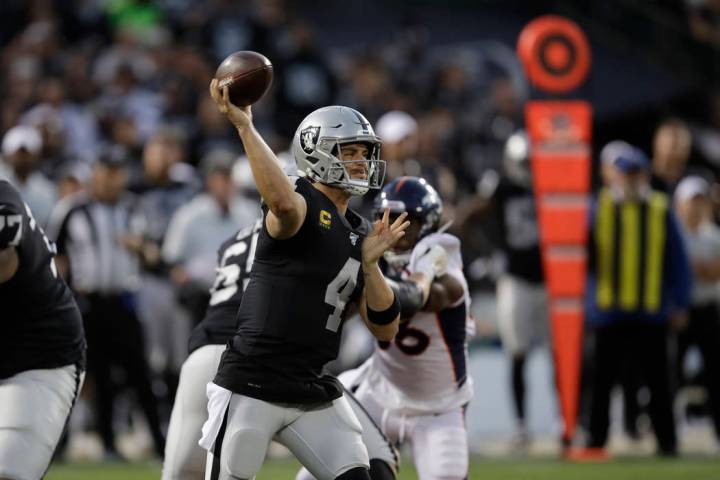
x=449, y=242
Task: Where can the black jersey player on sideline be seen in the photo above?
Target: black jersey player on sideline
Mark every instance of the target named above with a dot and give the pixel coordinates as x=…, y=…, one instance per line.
x=42, y=344
x=184, y=459
x=313, y=257
x=521, y=294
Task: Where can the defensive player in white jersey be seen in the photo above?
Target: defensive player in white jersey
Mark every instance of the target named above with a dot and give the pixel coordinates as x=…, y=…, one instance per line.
x=416, y=387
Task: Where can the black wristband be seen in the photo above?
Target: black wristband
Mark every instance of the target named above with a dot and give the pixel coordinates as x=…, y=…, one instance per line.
x=387, y=316
x=410, y=296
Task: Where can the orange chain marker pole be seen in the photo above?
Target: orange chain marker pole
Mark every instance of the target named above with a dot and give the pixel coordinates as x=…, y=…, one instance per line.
x=556, y=57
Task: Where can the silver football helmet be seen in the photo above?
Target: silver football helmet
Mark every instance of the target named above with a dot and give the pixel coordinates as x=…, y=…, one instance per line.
x=516, y=158
x=316, y=148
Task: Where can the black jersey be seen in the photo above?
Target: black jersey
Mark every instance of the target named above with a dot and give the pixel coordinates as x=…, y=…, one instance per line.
x=519, y=228
x=292, y=312
x=40, y=324
x=235, y=258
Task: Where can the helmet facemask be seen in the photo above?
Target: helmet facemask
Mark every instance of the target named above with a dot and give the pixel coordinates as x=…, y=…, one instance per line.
x=339, y=174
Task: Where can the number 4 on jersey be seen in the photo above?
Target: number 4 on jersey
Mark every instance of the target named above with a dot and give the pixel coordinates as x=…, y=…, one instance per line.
x=339, y=290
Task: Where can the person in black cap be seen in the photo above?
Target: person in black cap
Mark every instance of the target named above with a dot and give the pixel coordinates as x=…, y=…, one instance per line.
x=98, y=235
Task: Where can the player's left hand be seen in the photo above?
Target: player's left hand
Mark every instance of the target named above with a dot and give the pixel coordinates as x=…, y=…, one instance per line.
x=383, y=237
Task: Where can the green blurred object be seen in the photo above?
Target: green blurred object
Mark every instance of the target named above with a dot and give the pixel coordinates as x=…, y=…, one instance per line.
x=135, y=14
x=701, y=468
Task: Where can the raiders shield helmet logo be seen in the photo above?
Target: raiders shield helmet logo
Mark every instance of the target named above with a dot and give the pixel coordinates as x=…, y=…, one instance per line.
x=308, y=139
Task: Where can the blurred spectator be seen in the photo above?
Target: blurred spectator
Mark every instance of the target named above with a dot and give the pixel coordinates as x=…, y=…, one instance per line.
x=451, y=87
x=198, y=228
x=161, y=193
x=212, y=131
x=486, y=126
x=303, y=81
x=704, y=18
x=702, y=238
x=99, y=235
x=163, y=188
x=399, y=134
x=46, y=121
x=608, y=155
x=124, y=53
x=521, y=296
x=671, y=152
x=124, y=96
x=22, y=148
x=75, y=125
x=251, y=25
x=77, y=75
x=370, y=86
x=437, y=136
x=630, y=376
x=179, y=99
x=72, y=178
x=638, y=284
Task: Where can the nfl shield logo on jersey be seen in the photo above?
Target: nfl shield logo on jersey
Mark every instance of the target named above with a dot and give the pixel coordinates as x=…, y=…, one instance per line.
x=308, y=139
x=353, y=238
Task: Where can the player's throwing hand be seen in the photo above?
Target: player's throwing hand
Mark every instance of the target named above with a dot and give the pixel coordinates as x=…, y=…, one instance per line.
x=383, y=237
x=240, y=117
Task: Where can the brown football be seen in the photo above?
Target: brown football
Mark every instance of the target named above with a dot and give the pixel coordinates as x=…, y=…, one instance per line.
x=247, y=75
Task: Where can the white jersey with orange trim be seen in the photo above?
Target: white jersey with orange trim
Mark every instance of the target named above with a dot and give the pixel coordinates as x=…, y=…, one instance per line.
x=424, y=369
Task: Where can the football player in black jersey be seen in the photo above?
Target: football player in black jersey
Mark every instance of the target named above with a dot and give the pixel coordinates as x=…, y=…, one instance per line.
x=313, y=257
x=184, y=459
x=521, y=295
x=417, y=387
x=42, y=343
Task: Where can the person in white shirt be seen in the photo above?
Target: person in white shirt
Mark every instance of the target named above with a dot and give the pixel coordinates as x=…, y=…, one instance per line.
x=197, y=229
x=21, y=149
x=702, y=238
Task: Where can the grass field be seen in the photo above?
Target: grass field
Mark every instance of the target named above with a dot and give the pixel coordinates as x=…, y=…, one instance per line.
x=481, y=469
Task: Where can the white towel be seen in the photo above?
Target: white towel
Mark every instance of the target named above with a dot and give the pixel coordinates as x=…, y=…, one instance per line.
x=218, y=401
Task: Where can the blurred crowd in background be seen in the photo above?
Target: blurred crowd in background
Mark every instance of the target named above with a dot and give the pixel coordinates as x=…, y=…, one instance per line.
x=108, y=99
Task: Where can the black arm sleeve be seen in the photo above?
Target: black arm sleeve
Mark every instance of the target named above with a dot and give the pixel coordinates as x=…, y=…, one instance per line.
x=409, y=294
